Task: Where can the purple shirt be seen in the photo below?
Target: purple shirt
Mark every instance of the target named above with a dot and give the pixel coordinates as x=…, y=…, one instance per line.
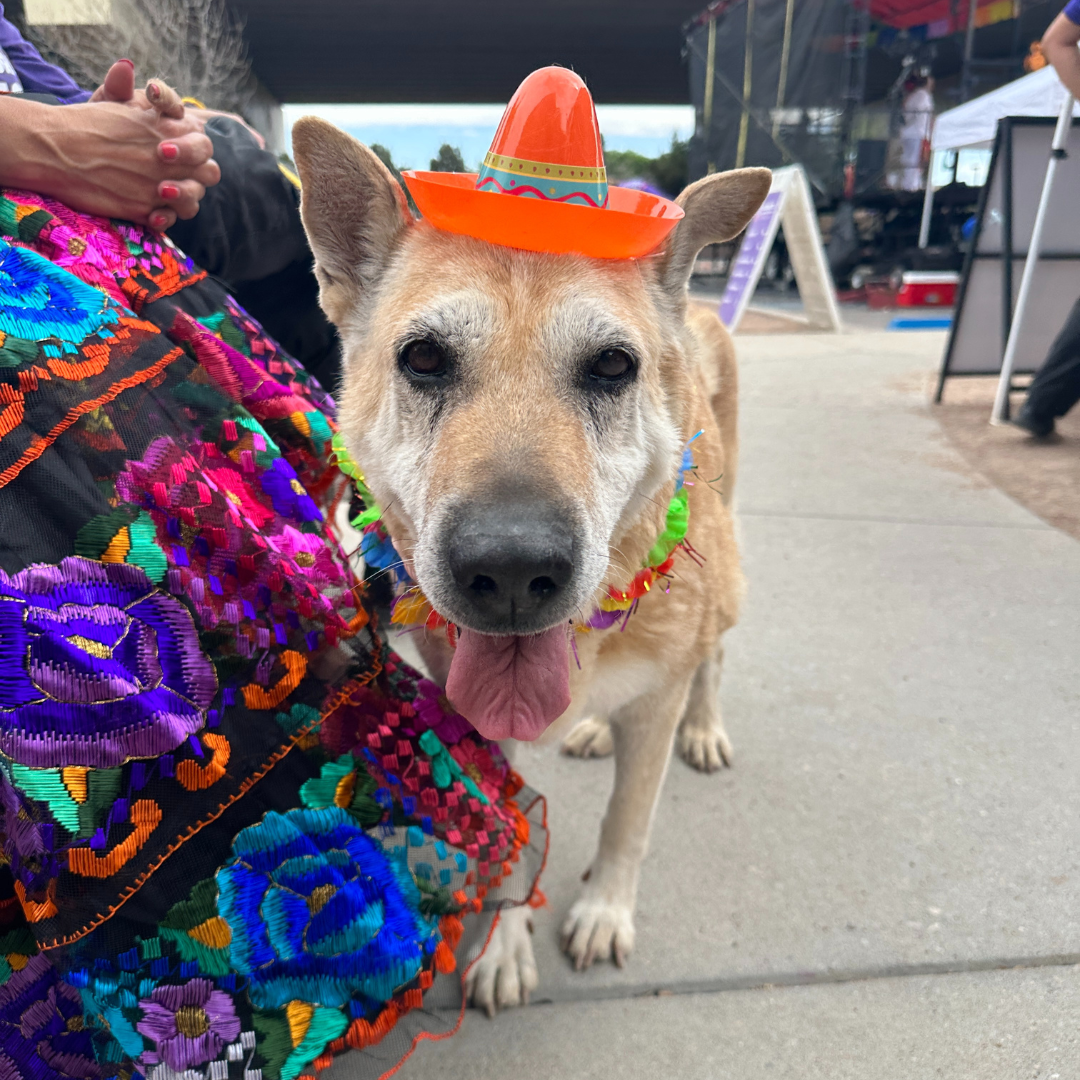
x=1072, y=11
x=36, y=75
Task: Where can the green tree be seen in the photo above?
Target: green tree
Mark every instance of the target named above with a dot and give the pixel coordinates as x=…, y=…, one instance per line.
x=669, y=172
x=449, y=160
x=387, y=159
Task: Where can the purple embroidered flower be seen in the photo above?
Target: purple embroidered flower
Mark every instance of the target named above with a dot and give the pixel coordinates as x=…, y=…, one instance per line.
x=188, y=1024
x=433, y=710
x=96, y=666
x=42, y=1033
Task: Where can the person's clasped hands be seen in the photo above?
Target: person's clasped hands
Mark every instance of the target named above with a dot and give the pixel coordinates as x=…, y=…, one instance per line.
x=133, y=154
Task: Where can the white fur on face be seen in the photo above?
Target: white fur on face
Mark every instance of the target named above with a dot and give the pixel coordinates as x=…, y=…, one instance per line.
x=519, y=351
x=635, y=440
x=397, y=445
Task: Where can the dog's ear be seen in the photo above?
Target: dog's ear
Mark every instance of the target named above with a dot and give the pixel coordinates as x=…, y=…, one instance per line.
x=716, y=208
x=353, y=210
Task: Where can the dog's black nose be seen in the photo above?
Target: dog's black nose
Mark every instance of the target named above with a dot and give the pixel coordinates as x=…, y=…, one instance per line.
x=511, y=562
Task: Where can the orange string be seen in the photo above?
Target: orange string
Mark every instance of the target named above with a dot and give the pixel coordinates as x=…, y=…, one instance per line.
x=196, y=777
x=39, y=445
x=145, y=816
x=255, y=697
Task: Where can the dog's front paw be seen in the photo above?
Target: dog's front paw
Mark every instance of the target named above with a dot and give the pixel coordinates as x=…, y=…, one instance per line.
x=590, y=737
x=505, y=974
x=706, y=749
x=598, y=929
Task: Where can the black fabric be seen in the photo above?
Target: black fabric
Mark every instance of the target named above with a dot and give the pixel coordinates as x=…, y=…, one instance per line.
x=249, y=234
x=248, y=225
x=287, y=305
x=1056, y=386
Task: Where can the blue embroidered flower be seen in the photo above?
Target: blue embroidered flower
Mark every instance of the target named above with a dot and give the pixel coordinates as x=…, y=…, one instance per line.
x=96, y=666
x=318, y=912
x=39, y=301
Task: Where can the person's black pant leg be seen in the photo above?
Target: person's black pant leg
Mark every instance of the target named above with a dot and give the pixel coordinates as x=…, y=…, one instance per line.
x=1056, y=386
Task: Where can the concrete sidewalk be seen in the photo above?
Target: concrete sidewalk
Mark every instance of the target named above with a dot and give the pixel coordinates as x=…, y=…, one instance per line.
x=901, y=818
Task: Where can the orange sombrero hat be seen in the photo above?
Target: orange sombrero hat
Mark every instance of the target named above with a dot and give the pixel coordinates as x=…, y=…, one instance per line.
x=543, y=186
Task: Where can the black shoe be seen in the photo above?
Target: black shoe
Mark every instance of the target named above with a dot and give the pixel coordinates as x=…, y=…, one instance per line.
x=1037, y=426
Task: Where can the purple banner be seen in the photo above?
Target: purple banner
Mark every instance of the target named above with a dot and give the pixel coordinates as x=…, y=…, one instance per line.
x=745, y=271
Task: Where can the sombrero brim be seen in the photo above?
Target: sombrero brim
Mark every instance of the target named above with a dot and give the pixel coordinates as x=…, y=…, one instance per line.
x=632, y=224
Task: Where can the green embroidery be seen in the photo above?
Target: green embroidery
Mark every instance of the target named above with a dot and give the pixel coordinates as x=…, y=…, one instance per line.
x=47, y=786
x=320, y=793
x=144, y=548
x=444, y=769
x=102, y=790
x=299, y=716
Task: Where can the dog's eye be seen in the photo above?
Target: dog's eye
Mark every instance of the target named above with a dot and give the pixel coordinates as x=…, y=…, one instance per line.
x=425, y=359
x=612, y=365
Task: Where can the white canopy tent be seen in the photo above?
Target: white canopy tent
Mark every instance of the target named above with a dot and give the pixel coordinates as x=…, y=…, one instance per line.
x=974, y=123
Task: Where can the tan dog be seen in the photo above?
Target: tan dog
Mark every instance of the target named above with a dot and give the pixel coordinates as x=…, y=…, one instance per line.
x=521, y=419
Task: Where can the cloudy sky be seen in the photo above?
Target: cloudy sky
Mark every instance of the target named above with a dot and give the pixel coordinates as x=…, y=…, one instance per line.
x=414, y=133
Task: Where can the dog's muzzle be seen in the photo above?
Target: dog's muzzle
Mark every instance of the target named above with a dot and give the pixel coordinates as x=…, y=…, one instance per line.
x=511, y=563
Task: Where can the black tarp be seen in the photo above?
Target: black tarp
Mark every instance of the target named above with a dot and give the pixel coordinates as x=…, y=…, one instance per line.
x=819, y=78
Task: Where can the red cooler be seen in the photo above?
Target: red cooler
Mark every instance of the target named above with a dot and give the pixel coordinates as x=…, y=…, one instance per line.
x=928, y=289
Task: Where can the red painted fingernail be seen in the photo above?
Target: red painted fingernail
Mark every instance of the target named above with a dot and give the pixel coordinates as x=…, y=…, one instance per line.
x=169, y=151
x=158, y=221
x=169, y=191
x=125, y=60
x=153, y=90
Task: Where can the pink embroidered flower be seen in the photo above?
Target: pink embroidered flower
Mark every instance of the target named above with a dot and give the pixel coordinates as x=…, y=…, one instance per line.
x=477, y=762
x=188, y=1024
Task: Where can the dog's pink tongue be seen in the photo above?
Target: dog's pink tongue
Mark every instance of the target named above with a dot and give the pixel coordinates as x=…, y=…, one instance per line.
x=510, y=687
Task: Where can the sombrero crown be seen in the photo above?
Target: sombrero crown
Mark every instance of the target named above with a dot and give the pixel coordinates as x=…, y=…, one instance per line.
x=543, y=185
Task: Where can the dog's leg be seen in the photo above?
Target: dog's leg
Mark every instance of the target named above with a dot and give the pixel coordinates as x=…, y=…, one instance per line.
x=590, y=737
x=702, y=741
x=601, y=923
x=506, y=974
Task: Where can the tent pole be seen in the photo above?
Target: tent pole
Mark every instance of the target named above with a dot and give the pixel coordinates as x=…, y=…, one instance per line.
x=927, y=206
x=785, y=53
x=1057, y=153
x=928, y=198
x=969, y=50
x=710, y=80
x=747, y=86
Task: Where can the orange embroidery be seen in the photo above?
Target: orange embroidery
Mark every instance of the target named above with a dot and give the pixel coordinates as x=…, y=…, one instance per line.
x=34, y=911
x=255, y=697
x=97, y=360
x=166, y=283
x=11, y=416
x=343, y=697
x=39, y=445
x=445, y=961
x=196, y=777
x=361, y=1033
x=28, y=378
x=145, y=816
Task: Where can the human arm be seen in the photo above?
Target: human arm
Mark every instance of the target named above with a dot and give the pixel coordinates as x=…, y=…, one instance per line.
x=1059, y=45
x=107, y=158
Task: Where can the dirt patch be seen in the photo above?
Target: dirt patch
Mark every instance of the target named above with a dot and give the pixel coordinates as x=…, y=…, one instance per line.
x=759, y=321
x=1043, y=476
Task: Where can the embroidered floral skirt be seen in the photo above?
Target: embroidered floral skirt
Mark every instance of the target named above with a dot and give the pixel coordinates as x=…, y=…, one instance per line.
x=240, y=834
